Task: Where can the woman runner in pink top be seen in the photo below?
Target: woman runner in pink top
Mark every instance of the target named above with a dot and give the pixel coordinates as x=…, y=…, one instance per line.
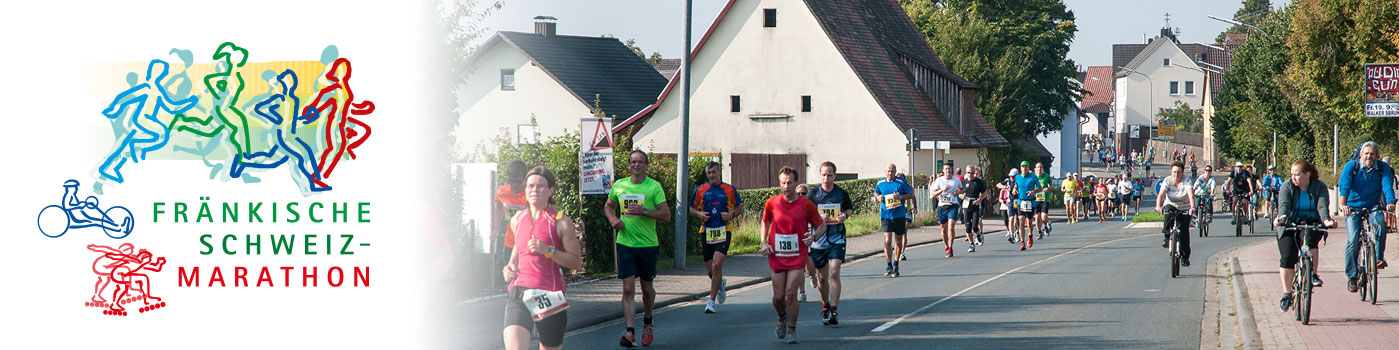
x=544, y=241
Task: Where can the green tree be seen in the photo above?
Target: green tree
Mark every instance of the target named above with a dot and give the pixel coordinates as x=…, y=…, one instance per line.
x=1255, y=100
x=1015, y=51
x=631, y=44
x=1251, y=11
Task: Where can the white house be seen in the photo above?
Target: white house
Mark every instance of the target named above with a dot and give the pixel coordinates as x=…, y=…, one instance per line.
x=796, y=83
x=1154, y=79
x=551, y=78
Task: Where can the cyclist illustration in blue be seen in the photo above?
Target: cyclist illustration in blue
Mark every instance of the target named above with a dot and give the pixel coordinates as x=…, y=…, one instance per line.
x=146, y=131
x=55, y=220
x=280, y=110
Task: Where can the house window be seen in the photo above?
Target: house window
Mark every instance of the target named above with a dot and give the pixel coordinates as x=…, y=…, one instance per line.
x=1175, y=88
x=806, y=103
x=525, y=134
x=770, y=18
x=1190, y=88
x=733, y=103
x=507, y=79
x=1165, y=62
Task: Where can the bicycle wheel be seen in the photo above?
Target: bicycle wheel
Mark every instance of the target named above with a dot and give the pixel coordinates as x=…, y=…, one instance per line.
x=1175, y=255
x=119, y=216
x=53, y=221
x=1364, y=274
x=1297, y=293
x=1304, y=306
x=1374, y=277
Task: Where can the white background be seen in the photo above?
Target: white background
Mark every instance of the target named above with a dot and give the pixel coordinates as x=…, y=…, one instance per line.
x=52, y=131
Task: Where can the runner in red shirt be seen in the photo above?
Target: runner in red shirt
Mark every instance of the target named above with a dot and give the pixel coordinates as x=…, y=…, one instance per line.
x=786, y=218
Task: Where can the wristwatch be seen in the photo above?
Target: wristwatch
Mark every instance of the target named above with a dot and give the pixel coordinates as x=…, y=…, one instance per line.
x=550, y=254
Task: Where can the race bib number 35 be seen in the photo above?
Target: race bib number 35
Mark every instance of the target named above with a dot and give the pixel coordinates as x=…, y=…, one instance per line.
x=543, y=303
x=715, y=235
x=830, y=211
x=632, y=198
x=786, y=245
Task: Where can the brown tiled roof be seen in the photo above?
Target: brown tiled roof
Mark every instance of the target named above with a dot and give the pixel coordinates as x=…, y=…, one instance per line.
x=1100, y=93
x=668, y=64
x=871, y=34
x=1124, y=53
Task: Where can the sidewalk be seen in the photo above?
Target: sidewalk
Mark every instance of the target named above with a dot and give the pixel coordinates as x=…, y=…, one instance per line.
x=599, y=301
x=1339, y=320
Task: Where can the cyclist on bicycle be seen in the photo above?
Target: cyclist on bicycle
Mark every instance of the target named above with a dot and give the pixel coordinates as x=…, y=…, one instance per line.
x=1303, y=200
x=1271, y=183
x=1365, y=183
x=1204, y=192
x=1178, y=198
x=1241, y=182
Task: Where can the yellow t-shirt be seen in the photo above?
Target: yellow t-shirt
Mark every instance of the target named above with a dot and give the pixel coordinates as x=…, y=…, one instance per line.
x=1069, y=186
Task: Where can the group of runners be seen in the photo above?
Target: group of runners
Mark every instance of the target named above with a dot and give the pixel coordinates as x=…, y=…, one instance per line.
x=803, y=229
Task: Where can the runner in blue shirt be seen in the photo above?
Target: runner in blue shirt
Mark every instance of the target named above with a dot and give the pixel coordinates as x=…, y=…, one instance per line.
x=891, y=193
x=1026, y=185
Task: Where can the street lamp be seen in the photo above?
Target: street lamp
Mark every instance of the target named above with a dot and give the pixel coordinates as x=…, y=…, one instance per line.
x=1150, y=97
x=1237, y=23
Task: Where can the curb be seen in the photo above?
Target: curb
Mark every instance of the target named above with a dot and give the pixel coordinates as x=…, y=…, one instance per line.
x=695, y=296
x=1248, y=327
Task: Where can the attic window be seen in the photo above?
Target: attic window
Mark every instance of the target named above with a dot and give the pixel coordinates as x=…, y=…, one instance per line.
x=1165, y=62
x=770, y=18
x=507, y=79
x=733, y=104
x=806, y=103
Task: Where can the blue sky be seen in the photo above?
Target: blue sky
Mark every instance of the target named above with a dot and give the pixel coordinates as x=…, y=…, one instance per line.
x=659, y=25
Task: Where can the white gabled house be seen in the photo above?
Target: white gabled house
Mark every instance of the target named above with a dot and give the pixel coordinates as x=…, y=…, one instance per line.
x=795, y=83
x=554, y=79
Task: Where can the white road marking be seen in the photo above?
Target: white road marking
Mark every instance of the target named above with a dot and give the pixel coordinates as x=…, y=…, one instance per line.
x=896, y=321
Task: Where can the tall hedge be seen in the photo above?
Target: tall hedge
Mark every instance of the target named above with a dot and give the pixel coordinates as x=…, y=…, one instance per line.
x=560, y=155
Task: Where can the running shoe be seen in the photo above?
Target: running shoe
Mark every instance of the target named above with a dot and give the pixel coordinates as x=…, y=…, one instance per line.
x=980, y=239
x=791, y=335
x=1286, y=302
x=825, y=316
x=813, y=282
x=723, y=289
x=801, y=297
x=949, y=252
x=1316, y=280
x=834, y=320
x=971, y=248
x=888, y=270
x=903, y=257
x=628, y=339
x=1022, y=247
x=896, y=271
x=1382, y=264
x=647, y=335
x=781, y=328
x=708, y=306
x=1010, y=238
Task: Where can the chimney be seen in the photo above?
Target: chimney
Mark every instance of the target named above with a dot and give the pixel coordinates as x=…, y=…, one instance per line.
x=546, y=26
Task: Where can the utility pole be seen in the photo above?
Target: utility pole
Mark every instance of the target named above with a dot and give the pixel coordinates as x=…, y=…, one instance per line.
x=682, y=165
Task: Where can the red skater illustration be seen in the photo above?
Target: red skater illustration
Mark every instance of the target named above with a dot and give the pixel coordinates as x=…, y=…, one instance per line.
x=123, y=268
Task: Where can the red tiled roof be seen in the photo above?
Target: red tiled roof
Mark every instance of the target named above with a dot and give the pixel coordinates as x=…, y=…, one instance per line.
x=1098, y=82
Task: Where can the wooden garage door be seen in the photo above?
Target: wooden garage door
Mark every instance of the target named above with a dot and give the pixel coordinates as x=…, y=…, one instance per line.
x=757, y=170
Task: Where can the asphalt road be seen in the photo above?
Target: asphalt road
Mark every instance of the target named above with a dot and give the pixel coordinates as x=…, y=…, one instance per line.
x=1087, y=286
